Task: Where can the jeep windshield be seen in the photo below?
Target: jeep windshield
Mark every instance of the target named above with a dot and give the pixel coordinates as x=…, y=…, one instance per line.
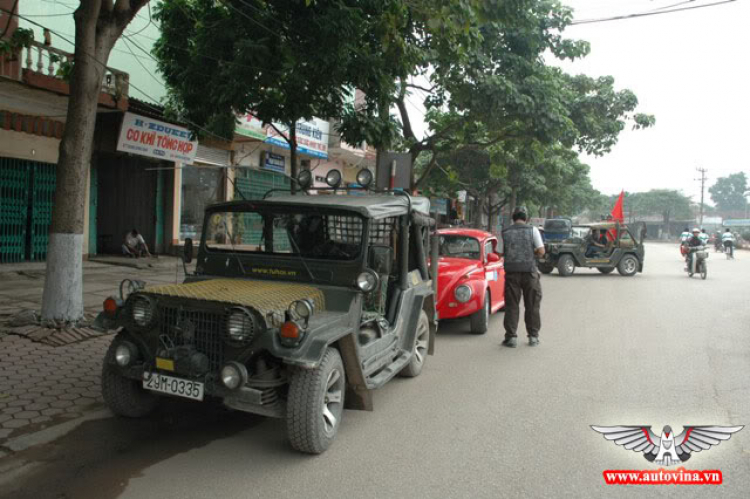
x=305, y=232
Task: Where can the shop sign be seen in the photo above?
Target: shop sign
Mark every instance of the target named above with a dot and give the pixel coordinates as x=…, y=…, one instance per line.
x=156, y=139
x=439, y=206
x=312, y=137
x=738, y=222
x=274, y=162
x=250, y=126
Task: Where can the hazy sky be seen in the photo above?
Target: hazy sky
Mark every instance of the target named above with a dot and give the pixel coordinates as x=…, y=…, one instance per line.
x=691, y=70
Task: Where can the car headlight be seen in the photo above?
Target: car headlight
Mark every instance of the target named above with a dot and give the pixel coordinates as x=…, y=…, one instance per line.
x=241, y=325
x=142, y=311
x=462, y=293
x=367, y=281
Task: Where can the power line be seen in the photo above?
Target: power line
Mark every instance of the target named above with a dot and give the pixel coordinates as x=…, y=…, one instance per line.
x=652, y=13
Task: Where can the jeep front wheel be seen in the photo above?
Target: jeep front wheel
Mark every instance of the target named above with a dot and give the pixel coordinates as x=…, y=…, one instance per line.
x=421, y=342
x=628, y=266
x=316, y=404
x=124, y=396
x=566, y=265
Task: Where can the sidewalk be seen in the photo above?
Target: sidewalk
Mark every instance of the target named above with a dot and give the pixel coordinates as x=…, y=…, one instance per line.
x=43, y=382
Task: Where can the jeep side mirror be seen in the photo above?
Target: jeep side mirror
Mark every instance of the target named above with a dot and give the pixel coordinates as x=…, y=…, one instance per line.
x=493, y=257
x=187, y=255
x=380, y=259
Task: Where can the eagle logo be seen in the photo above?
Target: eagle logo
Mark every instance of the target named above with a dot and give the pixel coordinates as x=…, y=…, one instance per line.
x=668, y=449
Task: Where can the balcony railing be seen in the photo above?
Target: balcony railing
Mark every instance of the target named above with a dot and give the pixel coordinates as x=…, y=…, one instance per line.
x=52, y=62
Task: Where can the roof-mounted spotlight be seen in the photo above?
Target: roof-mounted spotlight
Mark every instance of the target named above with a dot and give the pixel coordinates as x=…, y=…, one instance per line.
x=364, y=178
x=304, y=179
x=333, y=178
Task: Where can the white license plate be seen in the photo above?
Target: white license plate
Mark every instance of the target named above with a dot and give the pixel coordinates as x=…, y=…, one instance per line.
x=173, y=386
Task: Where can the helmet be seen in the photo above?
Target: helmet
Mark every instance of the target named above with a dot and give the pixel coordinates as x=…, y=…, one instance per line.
x=519, y=213
x=696, y=230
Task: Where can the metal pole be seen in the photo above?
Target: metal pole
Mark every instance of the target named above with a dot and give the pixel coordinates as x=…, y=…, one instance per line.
x=702, y=171
x=392, y=183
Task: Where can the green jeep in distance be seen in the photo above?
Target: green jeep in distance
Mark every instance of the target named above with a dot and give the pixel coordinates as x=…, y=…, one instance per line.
x=625, y=253
x=299, y=307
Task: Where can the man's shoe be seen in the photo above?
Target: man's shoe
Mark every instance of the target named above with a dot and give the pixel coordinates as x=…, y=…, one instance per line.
x=509, y=342
x=533, y=341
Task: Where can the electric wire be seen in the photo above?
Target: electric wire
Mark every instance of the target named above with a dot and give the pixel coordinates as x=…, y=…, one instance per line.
x=651, y=13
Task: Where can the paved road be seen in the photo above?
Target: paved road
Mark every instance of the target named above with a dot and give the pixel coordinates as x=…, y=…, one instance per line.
x=481, y=420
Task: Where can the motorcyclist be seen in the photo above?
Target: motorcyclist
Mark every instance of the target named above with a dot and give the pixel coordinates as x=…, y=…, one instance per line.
x=727, y=239
x=694, y=243
x=704, y=236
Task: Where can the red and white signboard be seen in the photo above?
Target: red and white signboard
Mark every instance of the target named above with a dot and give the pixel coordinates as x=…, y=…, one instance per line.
x=156, y=139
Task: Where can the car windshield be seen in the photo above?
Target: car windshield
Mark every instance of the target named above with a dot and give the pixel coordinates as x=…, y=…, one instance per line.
x=309, y=233
x=557, y=226
x=459, y=247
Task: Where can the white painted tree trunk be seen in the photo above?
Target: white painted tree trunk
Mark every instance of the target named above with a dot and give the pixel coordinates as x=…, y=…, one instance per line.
x=63, y=288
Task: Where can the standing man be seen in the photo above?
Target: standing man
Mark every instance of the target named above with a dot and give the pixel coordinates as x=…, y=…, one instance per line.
x=521, y=245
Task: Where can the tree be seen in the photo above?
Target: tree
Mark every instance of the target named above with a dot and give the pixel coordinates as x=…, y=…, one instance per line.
x=729, y=192
x=488, y=83
x=99, y=23
x=281, y=60
x=669, y=204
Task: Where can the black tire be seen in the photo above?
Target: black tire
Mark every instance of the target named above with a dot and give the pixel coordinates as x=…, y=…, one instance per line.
x=421, y=344
x=124, y=396
x=605, y=270
x=704, y=271
x=628, y=266
x=546, y=268
x=566, y=265
x=480, y=320
x=315, y=404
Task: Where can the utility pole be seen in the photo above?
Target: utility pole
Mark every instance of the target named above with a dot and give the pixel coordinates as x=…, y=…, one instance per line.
x=703, y=179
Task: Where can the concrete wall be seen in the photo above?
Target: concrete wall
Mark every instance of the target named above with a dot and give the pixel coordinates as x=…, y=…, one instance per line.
x=26, y=146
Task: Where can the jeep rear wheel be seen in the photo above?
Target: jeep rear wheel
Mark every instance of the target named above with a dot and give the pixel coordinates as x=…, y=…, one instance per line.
x=566, y=265
x=316, y=404
x=605, y=270
x=628, y=266
x=421, y=342
x=124, y=396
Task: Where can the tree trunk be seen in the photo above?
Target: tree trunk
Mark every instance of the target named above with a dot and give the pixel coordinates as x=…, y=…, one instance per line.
x=96, y=33
x=513, y=199
x=293, y=156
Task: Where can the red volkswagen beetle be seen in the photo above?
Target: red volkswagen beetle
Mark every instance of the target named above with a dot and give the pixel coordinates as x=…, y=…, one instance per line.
x=471, y=277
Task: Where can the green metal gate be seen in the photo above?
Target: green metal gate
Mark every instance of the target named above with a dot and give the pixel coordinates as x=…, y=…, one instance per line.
x=253, y=184
x=26, y=192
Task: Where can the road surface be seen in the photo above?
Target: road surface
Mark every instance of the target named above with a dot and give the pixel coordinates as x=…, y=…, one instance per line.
x=481, y=421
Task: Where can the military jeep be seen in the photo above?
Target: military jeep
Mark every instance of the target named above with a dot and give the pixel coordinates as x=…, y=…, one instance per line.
x=299, y=306
x=624, y=251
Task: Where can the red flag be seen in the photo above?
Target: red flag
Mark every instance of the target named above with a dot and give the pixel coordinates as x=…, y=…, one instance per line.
x=617, y=213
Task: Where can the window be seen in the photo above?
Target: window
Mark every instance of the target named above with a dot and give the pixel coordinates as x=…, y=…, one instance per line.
x=488, y=248
x=455, y=246
x=200, y=187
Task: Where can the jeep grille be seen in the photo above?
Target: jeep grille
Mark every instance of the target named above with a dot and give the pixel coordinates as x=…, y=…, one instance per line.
x=200, y=329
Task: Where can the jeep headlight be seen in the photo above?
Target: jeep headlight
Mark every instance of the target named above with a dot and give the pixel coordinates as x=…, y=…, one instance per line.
x=240, y=325
x=302, y=309
x=367, y=281
x=462, y=293
x=142, y=310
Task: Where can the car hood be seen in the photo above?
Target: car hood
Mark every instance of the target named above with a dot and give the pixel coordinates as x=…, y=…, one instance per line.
x=270, y=298
x=451, y=270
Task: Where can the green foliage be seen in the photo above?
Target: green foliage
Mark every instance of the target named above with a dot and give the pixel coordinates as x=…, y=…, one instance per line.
x=729, y=192
x=282, y=60
x=669, y=204
x=21, y=38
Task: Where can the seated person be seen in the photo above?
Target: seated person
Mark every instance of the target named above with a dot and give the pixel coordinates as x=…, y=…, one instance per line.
x=598, y=243
x=135, y=245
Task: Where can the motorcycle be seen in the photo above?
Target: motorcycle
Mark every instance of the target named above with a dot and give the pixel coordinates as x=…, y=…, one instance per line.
x=698, y=265
x=718, y=246
x=729, y=251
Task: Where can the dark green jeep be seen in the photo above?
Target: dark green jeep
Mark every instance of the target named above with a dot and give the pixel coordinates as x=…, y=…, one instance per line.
x=623, y=250
x=299, y=307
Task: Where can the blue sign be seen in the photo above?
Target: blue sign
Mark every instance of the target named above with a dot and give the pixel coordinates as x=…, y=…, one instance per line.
x=274, y=162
